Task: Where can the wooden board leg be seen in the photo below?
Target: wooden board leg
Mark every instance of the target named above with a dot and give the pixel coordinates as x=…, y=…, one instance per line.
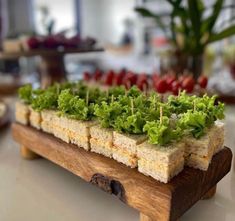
x=27, y=153
x=210, y=193
x=143, y=217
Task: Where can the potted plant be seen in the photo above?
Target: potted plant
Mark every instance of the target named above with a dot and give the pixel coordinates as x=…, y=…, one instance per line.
x=192, y=27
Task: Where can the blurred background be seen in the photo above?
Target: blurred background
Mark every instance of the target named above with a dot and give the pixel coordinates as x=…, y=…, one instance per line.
x=140, y=36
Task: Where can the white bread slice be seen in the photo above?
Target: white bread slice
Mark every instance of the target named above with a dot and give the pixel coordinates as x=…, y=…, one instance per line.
x=125, y=147
x=100, y=133
x=199, y=152
x=163, y=154
x=82, y=128
x=198, y=162
x=219, y=136
x=128, y=142
x=35, y=118
x=101, y=147
x=208, y=144
x=160, y=162
x=162, y=173
x=22, y=113
x=47, y=124
x=125, y=157
x=60, y=127
x=80, y=141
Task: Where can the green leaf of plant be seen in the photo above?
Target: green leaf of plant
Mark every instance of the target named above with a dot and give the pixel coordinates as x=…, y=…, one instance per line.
x=208, y=24
x=223, y=34
x=146, y=13
x=195, y=18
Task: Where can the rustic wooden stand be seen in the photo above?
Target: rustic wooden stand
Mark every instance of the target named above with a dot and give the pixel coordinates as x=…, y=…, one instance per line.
x=52, y=66
x=155, y=201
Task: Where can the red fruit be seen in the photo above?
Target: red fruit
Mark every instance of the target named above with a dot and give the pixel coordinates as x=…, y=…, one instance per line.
x=188, y=84
x=86, y=76
x=202, y=81
x=169, y=80
x=98, y=75
x=142, y=77
x=161, y=86
x=175, y=87
x=50, y=42
x=109, y=78
x=142, y=84
x=34, y=42
x=119, y=77
x=181, y=78
x=130, y=79
x=155, y=78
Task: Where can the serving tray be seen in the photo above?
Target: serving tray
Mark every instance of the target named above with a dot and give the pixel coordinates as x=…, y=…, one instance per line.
x=154, y=200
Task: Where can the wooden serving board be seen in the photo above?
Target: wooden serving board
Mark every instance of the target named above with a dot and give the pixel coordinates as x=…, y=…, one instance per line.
x=155, y=201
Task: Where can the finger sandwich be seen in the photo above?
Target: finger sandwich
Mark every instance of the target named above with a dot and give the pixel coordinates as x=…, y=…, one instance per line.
x=125, y=148
x=79, y=132
x=47, y=120
x=35, y=118
x=101, y=140
x=22, y=113
x=160, y=162
x=199, y=152
x=61, y=127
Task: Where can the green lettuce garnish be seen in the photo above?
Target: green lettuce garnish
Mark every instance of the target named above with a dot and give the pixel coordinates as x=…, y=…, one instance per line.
x=26, y=93
x=162, y=133
x=74, y=107
x=194, y=122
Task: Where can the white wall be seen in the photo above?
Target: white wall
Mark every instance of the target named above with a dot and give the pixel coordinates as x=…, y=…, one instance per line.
x=103, y=19
x=20, y=16
x=63, y=11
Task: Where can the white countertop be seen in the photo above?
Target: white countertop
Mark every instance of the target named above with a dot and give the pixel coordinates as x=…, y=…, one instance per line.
x=40, y=190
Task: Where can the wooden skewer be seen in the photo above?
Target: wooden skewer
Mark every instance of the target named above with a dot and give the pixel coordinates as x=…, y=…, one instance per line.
x=194, y=105
x=57, y=89
x=154, y=101
x=87, y=97
x=128, y=85
x=145, y=89
x=160, y=114
x=179, y=92
x=132, y=106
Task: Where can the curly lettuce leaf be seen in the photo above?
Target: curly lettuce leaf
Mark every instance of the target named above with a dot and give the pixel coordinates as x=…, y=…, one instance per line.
x=26, y=93
x=182, y=103
x=45, y=100
x=207, y=105
x=162, y=133
x=107, y=113
x=74, y=107
x=194, y=122
x=132, y=124
x=134, y=92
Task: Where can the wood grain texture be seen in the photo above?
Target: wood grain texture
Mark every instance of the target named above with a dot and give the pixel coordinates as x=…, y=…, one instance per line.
x=143, y=217
x=156, y=200
x=209, y=194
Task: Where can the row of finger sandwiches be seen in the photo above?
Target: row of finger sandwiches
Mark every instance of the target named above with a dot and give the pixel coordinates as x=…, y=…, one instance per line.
x=161, y=163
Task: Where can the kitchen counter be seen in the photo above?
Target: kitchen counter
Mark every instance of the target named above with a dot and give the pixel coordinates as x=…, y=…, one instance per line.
x=40, y=190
